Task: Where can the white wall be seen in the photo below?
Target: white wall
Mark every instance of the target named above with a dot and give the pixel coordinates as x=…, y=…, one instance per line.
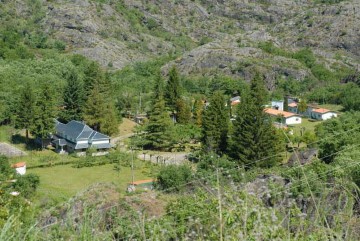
x=278, y=104
x=293, y=120
x=328, y=115
x=100, y=142
x=21, y=170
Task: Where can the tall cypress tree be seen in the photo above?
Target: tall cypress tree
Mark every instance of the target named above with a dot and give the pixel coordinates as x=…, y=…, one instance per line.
x=172, y=93
x=45, y=113
x=25, y=113
x=73, y=98
x=198, y=111
x=254, y=136
x=215, y=124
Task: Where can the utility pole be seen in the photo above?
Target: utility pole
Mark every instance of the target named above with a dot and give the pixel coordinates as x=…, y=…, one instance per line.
x=132, y=166
x=220, y=205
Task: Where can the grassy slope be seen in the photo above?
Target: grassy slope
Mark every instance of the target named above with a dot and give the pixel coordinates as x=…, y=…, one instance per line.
x=61, y=182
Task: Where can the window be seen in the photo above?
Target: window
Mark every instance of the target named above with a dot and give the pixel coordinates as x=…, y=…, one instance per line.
x=297, y=119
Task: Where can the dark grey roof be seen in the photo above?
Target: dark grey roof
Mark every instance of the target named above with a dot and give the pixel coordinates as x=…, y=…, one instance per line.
x=97, y=136
x=76, y=130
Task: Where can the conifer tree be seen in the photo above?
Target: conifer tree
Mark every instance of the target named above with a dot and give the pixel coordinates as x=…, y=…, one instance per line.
x=172, y=93
x=183, y=112
x=92, y=75
x=254, y=137
x=99, y=109
x=73, y=98
x=26, y=110
x=198, y=112
x=159, y=127
x=45, y=113
x=215, y=124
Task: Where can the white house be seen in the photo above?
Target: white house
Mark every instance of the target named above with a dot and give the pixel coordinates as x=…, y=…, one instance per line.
x=323, y=114
x=284, y=117
x=20, y=167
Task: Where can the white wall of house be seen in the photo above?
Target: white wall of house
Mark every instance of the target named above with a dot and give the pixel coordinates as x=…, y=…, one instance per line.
x=100, y=142
x=21, y=170
x=278, y=105
x=328, y=115
x=293, y=120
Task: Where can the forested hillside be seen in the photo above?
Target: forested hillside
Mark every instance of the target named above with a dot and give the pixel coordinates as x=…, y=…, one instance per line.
x=190, y=81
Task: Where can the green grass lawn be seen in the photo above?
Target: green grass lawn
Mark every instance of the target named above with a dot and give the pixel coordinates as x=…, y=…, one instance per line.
x=337, y=108
x=59, y=183
x=307, y=124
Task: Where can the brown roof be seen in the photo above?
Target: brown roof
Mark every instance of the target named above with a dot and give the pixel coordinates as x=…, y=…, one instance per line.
x=294, y=104
x=321, y=110
x=19, y=164
x=142, y=182
x=279, y=112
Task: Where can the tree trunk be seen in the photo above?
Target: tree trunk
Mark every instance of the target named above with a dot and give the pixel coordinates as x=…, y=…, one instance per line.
x=27, y=135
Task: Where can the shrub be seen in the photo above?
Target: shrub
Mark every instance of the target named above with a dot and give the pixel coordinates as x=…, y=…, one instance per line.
x=173, y=178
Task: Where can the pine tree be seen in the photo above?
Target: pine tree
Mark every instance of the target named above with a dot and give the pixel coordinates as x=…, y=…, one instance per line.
x=198, y=112
x=254, y=137
x=99, y=110
x=45, y=113
x=73, y=98
x=158, y=92
x=172, y=93
x=159, y=127
x=183, y=111
x=215, y=124
x=26, y=110
x=93, y=74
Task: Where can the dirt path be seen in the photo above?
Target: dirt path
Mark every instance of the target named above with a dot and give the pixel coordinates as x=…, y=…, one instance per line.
x=168, y=158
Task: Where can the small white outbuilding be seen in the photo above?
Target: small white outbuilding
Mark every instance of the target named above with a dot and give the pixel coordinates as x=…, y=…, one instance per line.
x=20, y=167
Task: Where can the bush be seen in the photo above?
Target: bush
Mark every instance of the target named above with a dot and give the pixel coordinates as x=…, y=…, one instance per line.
x=173, y=178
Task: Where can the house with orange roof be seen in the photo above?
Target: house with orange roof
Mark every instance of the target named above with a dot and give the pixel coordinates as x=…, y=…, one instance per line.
x=323, y=114
x=313, y=112
x=284, y=117
x=20, y=167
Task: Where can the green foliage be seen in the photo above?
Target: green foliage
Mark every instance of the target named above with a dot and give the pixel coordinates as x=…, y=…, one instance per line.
x=6, y=172
x=255, y=141
x=45, y=113
x=183, y=112
x=350, y=97
x=336, y=134
x=25, y=111
x=215, y=124
x=73, y=98
x=302, y=106
x=173, y=178
x=27, y=184
x=172, y=93
x=159, y=127
x=306, y=57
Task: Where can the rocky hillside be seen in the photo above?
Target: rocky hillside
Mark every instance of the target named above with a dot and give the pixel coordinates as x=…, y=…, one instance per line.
x=210, y=36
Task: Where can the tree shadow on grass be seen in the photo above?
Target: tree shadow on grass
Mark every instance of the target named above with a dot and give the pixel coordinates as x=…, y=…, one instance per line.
x=30, y=145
